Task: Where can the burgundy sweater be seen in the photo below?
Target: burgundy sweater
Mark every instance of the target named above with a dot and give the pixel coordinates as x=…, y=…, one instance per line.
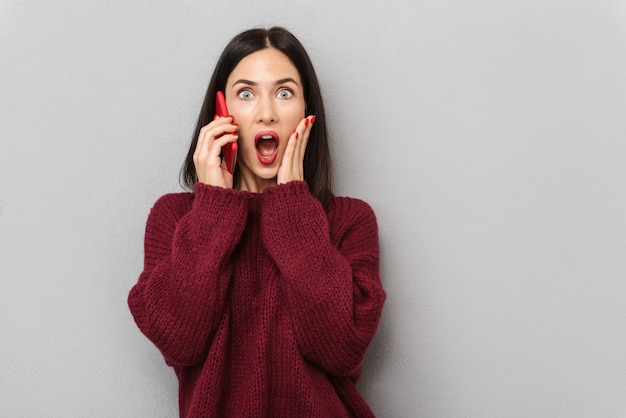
x=264, y=304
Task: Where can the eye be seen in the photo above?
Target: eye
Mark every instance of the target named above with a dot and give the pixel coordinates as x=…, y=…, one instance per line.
x=245, y=94
x=285, y=94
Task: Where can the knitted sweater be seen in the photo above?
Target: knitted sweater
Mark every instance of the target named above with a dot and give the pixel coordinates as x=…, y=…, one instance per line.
x=264, y=304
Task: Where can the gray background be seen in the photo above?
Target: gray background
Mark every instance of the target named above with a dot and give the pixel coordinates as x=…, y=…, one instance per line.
x=489, y=137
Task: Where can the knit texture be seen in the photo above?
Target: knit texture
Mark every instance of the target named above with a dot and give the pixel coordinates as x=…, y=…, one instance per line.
x=264, y=304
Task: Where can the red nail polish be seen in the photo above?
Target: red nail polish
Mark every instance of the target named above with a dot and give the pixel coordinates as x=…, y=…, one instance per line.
x=215, y=117
x=297, y=135
x=306, y=123
x=312, y=119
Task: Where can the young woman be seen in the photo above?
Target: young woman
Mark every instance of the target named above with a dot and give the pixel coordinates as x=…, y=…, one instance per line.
x=260, y=288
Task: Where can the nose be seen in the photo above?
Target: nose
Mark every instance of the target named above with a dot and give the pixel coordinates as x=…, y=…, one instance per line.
x=266, y=111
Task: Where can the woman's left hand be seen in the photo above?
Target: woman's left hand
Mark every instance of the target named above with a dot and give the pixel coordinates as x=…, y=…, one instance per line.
x=292, y=165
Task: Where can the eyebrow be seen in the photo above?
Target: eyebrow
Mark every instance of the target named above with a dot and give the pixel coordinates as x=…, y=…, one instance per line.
x=254, y=83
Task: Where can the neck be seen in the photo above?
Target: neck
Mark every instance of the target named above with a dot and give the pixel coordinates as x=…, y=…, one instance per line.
x=251, y=183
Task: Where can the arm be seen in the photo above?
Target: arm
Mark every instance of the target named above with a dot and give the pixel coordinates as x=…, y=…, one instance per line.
x=331, y=276
x=179, y=298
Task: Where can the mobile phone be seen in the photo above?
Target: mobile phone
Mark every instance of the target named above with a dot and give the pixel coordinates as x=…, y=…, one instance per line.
x=229, y=151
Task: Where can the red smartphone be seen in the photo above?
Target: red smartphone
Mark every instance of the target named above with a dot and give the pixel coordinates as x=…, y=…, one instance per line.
x=229, y=151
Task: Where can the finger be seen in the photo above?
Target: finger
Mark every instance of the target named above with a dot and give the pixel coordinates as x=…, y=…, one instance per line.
x=303, y=137
x=223, y=140
x=297, y=137
x=293, y=159
x=201, y=147
x=213, y=131
x=206, y=131
x=286, y=166
x=208, y=151
x=290, y=150
x=297, y=158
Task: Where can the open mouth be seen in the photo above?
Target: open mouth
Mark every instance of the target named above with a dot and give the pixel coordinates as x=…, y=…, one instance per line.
x=266, y=144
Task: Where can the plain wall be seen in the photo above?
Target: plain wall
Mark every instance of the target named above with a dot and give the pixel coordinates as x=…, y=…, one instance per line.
x=489, y=137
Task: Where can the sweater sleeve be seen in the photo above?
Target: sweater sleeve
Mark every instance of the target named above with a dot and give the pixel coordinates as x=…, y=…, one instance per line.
x=330, y=265
x=180, y=296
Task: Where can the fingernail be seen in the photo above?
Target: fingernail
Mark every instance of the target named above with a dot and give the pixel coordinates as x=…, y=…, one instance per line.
x=297, y=135
x=312, y=119
x=235, y=124
x=215, y=117
x=306, y=123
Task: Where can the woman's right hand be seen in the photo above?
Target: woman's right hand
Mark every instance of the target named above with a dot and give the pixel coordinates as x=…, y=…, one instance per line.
x=209, y=166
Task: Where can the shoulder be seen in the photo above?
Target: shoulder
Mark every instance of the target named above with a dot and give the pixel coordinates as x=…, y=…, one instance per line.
x=349, y=207
x=172, y=206
x=345, y=213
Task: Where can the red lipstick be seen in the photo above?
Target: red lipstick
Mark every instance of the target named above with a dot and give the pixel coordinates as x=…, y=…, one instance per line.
x=266, y=143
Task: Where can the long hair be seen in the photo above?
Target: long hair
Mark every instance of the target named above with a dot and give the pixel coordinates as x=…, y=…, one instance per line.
x=317, y=162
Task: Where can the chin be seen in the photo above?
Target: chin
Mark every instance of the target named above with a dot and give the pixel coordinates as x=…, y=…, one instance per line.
x=266, y=173
x=258, y=170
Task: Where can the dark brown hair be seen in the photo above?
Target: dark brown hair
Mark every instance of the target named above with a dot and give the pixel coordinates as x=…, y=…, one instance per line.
x=317, y=162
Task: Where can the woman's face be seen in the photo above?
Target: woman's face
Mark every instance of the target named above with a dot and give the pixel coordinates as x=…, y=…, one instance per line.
x=264, y=95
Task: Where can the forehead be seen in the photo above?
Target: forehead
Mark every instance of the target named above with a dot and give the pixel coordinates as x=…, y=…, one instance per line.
x=267, y=64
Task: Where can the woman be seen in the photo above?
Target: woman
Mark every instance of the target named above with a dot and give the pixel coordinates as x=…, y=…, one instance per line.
x=260, y=288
